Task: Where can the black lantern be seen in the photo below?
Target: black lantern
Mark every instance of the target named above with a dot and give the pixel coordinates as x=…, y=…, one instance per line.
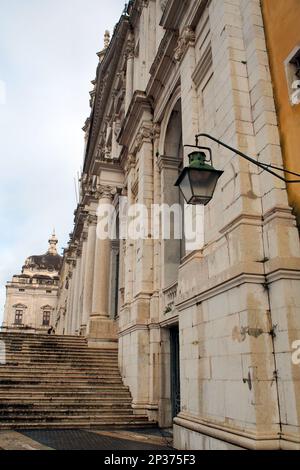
x=198, y=181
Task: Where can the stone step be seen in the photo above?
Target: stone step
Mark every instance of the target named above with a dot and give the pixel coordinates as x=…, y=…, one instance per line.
x=16, y=418
x=57, y=366
x=55, y=352
x=58, y=355
x=116, y=401
x=47, y=342
x=99, y=425
x=59, y=382
x=17, y=375
x=36, y=369
x=35, y=383
x=71, y=366
x=59, y=387
x=63, y=413
x=105, y=393
x=20, y=381
x=41, y=336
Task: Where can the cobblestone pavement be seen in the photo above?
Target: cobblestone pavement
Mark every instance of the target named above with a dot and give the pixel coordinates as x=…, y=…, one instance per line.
x=139, y=439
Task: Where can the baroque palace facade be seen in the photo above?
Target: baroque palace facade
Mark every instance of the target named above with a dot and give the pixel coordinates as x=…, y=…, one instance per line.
x=204, y=335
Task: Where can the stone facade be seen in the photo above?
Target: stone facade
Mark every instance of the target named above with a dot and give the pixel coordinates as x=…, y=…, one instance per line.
x=205, y=334
x=31, y=297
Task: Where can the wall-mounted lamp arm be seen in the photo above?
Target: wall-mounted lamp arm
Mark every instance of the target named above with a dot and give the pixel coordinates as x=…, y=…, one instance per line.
x=264, y=166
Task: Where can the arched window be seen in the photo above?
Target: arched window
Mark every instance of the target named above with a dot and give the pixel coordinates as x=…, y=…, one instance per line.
x=173, y=250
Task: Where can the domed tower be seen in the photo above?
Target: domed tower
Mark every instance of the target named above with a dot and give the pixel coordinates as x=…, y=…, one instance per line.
x=31, y=297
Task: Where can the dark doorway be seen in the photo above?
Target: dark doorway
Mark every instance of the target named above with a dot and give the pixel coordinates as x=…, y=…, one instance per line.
x=175, y=371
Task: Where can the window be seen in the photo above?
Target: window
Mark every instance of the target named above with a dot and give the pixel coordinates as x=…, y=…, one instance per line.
x=48, y=291
x=46, y=318
x=292, y=69
x=21, y=290
x=19, y=317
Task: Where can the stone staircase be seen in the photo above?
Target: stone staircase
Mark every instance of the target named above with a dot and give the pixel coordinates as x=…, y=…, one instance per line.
x=58, y=382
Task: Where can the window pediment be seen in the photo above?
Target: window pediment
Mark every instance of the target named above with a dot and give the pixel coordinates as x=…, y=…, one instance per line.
x=19, y=306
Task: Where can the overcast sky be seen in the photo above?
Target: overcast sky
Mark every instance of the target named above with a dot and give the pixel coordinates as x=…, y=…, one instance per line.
x=47, y=60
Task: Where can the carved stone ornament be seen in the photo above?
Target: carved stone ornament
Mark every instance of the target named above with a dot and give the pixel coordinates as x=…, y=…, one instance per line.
x=187, y=38
x=130, y=45
x=156, y=131
x=142, y=4
x=147, y=132
x=144, y=134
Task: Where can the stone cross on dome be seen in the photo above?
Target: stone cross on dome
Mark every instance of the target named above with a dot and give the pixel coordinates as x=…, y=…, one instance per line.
x=53, y=240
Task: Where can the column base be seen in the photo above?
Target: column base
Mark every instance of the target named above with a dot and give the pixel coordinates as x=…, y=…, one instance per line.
x=102, y=333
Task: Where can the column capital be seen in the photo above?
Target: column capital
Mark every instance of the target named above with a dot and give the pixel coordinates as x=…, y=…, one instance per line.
x=105, y=192
x=92, y=219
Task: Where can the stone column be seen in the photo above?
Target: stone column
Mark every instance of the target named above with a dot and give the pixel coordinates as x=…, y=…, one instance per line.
x=101, y=329
x=71, y=298
x=74, y=325
x=89, y=272
x=81, y=281
x=129, y=71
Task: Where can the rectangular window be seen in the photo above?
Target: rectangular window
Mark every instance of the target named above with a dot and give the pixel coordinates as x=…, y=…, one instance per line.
x=48, y=291
x=21, y=290
x=46, y=318
x=19, y=317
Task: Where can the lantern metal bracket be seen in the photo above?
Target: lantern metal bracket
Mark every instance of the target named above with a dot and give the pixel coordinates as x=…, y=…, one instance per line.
x=265, y=166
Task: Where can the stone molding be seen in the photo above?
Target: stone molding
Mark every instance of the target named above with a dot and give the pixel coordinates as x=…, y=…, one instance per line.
x=165, y=162
x=209, y=292
x=203, y=67
x=239, y=437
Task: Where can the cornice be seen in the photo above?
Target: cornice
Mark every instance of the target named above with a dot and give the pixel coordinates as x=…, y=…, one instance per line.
x=106, y=164
x=163, y=64
x=173, y=14
x=106, y=73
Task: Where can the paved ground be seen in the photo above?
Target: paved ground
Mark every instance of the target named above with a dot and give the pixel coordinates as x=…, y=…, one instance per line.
x=138, y=439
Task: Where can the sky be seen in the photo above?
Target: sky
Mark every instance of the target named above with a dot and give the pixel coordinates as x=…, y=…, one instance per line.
x=47, y=61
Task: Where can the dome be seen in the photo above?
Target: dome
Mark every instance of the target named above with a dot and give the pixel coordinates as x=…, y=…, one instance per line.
x=50, y=261
x=45, y=262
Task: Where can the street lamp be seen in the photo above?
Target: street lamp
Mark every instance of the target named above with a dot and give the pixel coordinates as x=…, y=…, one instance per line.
x=198, y=181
